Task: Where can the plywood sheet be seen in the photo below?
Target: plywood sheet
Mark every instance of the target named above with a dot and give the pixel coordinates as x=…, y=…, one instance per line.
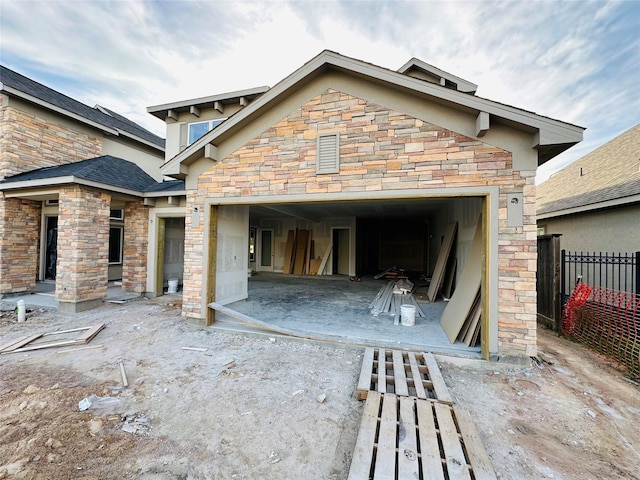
x=288, y=252
x=302, y=238
x=441, y=263
x=461, y=302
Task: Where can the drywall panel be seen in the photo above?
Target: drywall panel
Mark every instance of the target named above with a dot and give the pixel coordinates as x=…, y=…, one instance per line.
x=459, y=306
x=232, y=254
x=441, y=263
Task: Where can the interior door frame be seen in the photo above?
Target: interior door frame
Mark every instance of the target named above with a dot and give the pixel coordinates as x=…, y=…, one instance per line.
x=336, y=248
x=259, y=266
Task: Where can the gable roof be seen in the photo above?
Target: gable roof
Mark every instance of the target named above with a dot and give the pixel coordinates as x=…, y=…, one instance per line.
x=608, y=176
x=104, y=172
x=551, y=137
x=13, y=83
x=419, y=69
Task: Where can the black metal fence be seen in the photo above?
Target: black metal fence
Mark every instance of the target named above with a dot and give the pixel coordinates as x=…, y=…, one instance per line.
x=614, y=271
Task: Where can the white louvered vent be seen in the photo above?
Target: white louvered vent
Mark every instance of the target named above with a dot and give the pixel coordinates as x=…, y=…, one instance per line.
x=328, y=158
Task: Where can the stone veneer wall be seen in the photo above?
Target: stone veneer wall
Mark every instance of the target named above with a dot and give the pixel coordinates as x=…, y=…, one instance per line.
x=380, y=150
x=83, y=247
x=28, y=142
x=134, y=263
x=19, y=247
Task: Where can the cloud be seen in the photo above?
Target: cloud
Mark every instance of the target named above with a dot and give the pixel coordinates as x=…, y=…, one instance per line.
x=578, y=62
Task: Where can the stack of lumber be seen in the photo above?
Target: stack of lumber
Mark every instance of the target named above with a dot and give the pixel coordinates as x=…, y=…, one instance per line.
x=392, y=273
x=387, y=301
x=299, y=256
x=38, y=340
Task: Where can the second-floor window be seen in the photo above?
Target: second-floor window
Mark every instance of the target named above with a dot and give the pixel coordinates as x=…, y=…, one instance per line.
x=198, y=129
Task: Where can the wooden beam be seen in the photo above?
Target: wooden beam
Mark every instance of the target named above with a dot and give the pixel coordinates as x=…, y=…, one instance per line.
x=149, y=202
x=210, y=151
x=125, y=382
x=172, y=114
x=218, y=106
x=482, y=124
x=195, y=111
x=160, y=236
x=173, y=200
x=244, y=102
x=210, y=287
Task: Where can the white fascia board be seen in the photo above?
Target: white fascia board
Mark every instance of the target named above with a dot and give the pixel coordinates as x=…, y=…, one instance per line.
x=618, y=202
x=561, y=132
x=167, y=193
x=61, y=111
x=70, y=179
x=210, y=99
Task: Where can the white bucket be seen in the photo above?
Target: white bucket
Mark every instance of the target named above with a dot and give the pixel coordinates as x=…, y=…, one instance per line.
x=408, y=315
x=173, y=285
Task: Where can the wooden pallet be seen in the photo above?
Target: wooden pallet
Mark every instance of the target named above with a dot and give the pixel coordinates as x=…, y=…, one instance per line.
x=403, y=373
x=407, y=437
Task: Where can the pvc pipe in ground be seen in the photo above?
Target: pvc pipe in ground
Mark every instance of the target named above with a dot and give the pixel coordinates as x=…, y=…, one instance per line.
x=21, y=310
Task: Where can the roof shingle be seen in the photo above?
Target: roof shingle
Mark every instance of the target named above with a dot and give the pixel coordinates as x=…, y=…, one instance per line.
x=99, y=115
x=610, y=172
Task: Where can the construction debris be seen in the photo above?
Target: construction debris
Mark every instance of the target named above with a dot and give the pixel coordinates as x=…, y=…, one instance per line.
x=135, y=423
x=34, y=342
x=392, y=296
x=125, y=382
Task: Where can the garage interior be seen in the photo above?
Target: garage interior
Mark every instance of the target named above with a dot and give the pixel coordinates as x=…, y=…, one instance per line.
x=359, y=240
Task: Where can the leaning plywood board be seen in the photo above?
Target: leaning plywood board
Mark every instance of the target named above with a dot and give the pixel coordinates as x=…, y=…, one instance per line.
x=301, y=252
x=288, y=252
x=325, y=258
x=461, y=302
x=441, y=263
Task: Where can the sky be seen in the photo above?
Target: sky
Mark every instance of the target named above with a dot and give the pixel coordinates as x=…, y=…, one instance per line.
x=574, y=61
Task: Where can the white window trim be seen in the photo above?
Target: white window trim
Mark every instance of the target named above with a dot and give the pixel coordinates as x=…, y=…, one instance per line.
x=210, y=126
x=121, y=217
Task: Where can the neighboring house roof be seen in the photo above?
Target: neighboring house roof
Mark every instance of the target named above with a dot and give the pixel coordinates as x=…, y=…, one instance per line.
x=608, y=176
x=551, y=137
x=103, y=172
x=13, y=83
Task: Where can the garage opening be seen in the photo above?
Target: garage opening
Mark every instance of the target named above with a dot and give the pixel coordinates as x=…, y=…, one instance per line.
x=352, y=250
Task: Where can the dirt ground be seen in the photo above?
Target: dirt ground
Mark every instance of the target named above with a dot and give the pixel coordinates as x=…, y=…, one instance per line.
x=267, y=407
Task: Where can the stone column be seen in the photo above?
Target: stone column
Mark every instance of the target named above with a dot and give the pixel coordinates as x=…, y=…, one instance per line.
x=134, y=263
x=83, y=248
x=19, y=245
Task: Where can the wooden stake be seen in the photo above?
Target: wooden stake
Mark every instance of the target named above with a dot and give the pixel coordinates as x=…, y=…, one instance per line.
x=125, y=382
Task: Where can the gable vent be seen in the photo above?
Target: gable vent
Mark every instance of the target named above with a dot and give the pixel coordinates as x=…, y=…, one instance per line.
x=328, y=158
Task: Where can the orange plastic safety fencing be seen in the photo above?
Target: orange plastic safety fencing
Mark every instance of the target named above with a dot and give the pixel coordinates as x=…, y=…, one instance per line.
x=607, y=321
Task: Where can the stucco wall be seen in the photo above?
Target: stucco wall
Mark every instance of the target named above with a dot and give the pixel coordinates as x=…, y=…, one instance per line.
x=611, y=230
x=381, y=150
